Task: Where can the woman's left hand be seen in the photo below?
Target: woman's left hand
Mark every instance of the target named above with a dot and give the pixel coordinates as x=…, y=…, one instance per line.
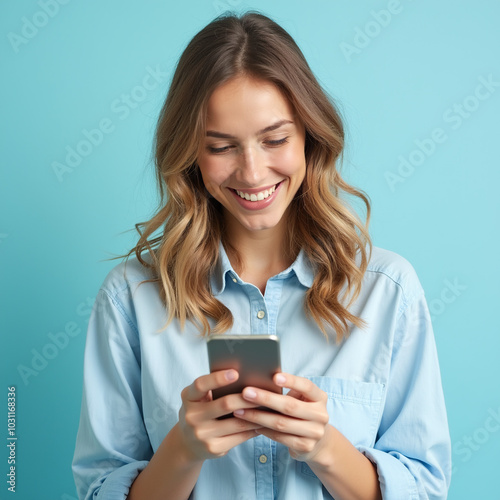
x=302, y=422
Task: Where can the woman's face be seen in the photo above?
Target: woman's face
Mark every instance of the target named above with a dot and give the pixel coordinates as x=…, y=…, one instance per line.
x=252, y=157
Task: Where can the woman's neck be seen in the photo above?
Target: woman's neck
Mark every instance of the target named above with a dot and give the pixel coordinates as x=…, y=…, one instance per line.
x=257, y=255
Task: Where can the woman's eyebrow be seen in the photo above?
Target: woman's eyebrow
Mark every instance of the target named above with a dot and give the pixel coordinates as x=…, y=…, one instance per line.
x=270, y=128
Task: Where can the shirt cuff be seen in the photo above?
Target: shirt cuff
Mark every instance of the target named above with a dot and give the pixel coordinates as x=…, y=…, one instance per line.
x=117, y=484
x=396, y=481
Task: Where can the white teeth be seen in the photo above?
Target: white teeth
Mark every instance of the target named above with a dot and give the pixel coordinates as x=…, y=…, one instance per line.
x=258, y=196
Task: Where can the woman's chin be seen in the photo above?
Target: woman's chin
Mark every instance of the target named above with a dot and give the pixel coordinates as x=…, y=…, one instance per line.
x=255, y=224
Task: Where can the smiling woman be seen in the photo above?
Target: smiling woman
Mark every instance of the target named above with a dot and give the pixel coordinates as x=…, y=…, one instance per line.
x=257, y=238
x=256, y=171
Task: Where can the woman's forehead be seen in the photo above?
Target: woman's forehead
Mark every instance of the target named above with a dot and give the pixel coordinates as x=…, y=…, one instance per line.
x=248, y=98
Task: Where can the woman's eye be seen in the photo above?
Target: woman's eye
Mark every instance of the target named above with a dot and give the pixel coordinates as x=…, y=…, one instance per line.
x=224, y=149
x=276, y=142
x=220, y=150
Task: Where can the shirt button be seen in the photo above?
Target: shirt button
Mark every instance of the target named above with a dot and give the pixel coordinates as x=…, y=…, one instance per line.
x=235, y=280
x=260, y=315
x=262, y=459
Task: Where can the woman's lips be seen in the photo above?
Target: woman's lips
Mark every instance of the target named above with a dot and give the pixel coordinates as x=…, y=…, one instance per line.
x=256, y=199
x=256, y=196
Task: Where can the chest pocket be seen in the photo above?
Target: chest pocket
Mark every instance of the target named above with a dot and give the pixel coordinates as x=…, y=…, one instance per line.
x=354, y=409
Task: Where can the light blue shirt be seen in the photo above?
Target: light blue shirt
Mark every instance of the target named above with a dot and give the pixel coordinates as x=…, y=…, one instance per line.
x=383, y=384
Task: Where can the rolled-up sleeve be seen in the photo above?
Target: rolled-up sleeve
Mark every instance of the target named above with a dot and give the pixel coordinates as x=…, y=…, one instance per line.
x=412, y=451
x=112, y=445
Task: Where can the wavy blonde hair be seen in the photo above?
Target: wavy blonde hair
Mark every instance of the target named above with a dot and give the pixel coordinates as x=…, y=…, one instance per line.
x=185, y=255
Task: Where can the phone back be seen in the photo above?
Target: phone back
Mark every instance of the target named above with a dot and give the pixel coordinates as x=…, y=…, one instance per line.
x=255, y=357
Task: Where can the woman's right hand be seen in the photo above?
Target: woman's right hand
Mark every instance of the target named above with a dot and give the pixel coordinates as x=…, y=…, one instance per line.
x=203, y=435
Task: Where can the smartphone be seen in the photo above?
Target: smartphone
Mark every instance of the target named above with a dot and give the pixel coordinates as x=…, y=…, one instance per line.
x=255, y=357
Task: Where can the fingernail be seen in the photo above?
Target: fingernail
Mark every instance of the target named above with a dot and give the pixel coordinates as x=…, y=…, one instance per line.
x=231, y=375
x=239, y=412
x=249, y=394
x=279, y=378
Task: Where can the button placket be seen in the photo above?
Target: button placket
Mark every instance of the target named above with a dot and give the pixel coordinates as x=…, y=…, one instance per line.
x=258, y=312
x=263, y=467
x=272, y=299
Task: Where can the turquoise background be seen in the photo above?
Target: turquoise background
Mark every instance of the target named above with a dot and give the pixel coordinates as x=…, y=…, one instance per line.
x=395, y=87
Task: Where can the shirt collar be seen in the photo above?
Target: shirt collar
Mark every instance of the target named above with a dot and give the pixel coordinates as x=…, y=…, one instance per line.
x=218, y=278
x=301, y=267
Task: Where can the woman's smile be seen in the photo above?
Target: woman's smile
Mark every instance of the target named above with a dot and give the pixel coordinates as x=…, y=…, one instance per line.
x=256, y=199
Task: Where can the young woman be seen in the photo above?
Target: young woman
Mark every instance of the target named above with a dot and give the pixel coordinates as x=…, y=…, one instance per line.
x=256, y=236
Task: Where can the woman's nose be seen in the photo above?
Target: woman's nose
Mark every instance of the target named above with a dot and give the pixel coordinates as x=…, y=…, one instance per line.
x=252, y=167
